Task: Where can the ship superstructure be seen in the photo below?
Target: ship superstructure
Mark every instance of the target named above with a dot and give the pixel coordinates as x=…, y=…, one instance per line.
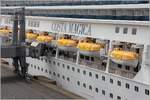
x=103, y=57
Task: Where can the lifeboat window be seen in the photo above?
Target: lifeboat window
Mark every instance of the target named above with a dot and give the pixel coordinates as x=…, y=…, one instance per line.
x=87, y=58
x=127, y=86
x=146, y=91
x=78, y=70
x=111, y=81
x=96, y=75
x=58, y=75
x=84, y=85
x=136, y=88
x=103, y=78
x=92, y=58
x=90, y=87
x=127, y=67
x=103, y=92
x=118, y=98
x=96, y=89
x=117, y=29
x=111, y=95
x=125, y=30
x=119, y=66
x=119, y=83
x=78, y=82
x=134, y=31
x=90, y=74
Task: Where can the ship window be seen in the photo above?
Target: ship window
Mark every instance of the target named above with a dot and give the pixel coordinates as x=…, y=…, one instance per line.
x=50, y=72
x=82, y=56
x=78, y=82
x=35, y=66
x=90, y=87
x=127, y=67
x=58, y=75
x=46, y=60
x=38, y=68
x=134, y=30
x=31, y=65
x=119, y=83
x=68, y=67
x=125, y=30
x=136, y=88
x=49, y=61
x=96, y=89
x=117, y=29
x=90, y=74
x=127, y=86
x=53, y=62
x=87, y=58
x=96, y=75
x=46, y=70
x=63, y=65
x=68, y=79
x=92, y=58
x=84, y=72
x=111, y=81
x=118, y=98
x=146, y=91
x=63, y=77
x=73, y=69
x=78, y=70
x=111, y=95
x=103, y=92
x=103, y=78
x=84, y=85
x=58, y=64
x=54, y=73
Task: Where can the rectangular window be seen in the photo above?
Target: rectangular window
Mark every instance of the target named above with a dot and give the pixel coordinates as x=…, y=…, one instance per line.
x=117, y=29
x=119, y=83
x=146, y=91
x=125, y=30
x=136, y=88
x=134, y=31
x=127, y=86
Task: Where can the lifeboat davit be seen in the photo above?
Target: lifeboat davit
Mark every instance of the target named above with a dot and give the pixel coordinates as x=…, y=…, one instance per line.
x=67, y=44
x=124, y=57
x=90, y=49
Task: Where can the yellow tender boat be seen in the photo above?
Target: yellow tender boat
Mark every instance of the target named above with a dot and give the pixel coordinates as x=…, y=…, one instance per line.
x=5, y=31
x=31, y=36
x=67, y=42
x=124, y=57
x=44, y=39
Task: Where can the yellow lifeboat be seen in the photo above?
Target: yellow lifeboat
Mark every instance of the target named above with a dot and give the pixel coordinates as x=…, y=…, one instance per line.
x=67, y=44
x=5, y=31
x=89, y=48
x=31, y=36
x=44, y=38
x=124, y=57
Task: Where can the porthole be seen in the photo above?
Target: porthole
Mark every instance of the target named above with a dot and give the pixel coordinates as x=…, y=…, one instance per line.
x=68, y=79
x=90, y=87
x=119, y=83
x=103, y=78
x=73, y=69
x=146, y=91
x=96, y=76
x=84, y=85
x=78, y=82
x=96, y=90
x=127, y=86
x=111, y=95
x=111, y=81
x=68, y=67
x=118, y=98
x=103, y=92
x=90, y=74
x=78, y=70
x=84, y=72
x=58, y=75
x=136, y=88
